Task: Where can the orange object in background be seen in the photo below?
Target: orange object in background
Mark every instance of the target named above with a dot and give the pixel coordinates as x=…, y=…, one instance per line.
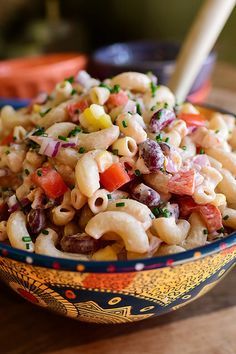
x=200, y=95
x=26, y=77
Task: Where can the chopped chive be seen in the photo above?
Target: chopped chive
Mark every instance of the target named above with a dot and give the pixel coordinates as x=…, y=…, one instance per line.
x=221, y=230
x=39, y=173
x=159, y=212
x=159, y=137
x=75, y=131
x=153, y=108
x=226, y=217
x=26, y=239
x=167, y=139
x=115, y=89
x=81, y=150
x=153, y=88
x=217, y=131
x=7, y=152
x=73, y=91
x=124, y=123
x=120, y=204
x=71, y=79
x=205, y=231
x=27, y=246
x=159, y=114
x=27, y=172
x=14, y=138
x=165, y=105
x=201, y=151
x=115, y=152
x=32, y=145
x=39, y=131
x=45, y=232
x=61, y=137
x=105, y=86
x=42, y=114
x=166, y=213
x=184, y=147
x=109, y=196
x=137, y=173
x=138, y=109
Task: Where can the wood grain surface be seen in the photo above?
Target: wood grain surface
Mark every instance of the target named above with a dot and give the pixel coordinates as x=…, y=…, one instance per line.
x=206, y=326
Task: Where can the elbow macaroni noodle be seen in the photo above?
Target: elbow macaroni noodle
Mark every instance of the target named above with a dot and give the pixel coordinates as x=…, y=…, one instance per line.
x=72, y=166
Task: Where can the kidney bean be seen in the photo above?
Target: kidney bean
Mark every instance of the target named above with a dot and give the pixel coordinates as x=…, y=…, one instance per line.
x=152, y=155
x=161, y=119
x=145, y=195
x=36, y=220
x=79, y=243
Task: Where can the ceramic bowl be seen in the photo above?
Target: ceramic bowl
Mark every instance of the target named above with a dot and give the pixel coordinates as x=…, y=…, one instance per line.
x=25, y=77
x=120, y=291
x=142, y=56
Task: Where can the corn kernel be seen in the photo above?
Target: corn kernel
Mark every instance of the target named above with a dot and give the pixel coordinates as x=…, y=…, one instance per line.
x=97, y=118
x=36, y=108
x=105, y=254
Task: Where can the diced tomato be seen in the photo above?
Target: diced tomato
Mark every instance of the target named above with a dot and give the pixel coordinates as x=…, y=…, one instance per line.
x=187, y=205
x=212, y=217
x=210, y=213
x=74, y=109
x=193, y=120
x=182, y=183
x=118, y=99
x=8, y=139
x=50, y=181
x=114, y=177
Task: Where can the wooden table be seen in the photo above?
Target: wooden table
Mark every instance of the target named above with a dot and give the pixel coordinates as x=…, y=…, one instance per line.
x=206, y=326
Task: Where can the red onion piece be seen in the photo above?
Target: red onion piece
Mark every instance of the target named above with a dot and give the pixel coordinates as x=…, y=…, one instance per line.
x=66, y=145
x=12, y=200
x=49, y=147
x=14, y=207
x=130, y=107
x=24, y=202
x=56, y=149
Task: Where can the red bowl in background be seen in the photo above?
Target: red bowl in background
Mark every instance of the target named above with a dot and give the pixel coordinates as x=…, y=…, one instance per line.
x=25, y=77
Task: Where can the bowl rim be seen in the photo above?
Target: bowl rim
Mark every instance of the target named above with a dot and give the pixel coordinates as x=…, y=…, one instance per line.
x=97, y=59
x=62, y=264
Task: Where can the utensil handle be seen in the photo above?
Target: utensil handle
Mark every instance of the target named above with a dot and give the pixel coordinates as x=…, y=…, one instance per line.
x=199, y=42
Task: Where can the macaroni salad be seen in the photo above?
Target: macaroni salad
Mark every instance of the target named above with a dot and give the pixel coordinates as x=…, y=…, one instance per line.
x=115, y=170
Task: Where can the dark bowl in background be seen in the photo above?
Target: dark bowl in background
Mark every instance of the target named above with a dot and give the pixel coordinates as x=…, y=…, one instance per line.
x=143, y=56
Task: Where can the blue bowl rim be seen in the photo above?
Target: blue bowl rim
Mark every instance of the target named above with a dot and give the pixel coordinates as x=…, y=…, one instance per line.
x=121, y=266
x=158, y=63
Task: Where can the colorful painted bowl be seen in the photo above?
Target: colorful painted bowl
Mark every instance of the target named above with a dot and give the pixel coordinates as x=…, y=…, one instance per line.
x=143, y=56
x=121, y=291
x=25, y=77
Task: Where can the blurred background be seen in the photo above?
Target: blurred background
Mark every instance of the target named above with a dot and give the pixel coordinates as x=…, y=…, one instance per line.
x=43, y=26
